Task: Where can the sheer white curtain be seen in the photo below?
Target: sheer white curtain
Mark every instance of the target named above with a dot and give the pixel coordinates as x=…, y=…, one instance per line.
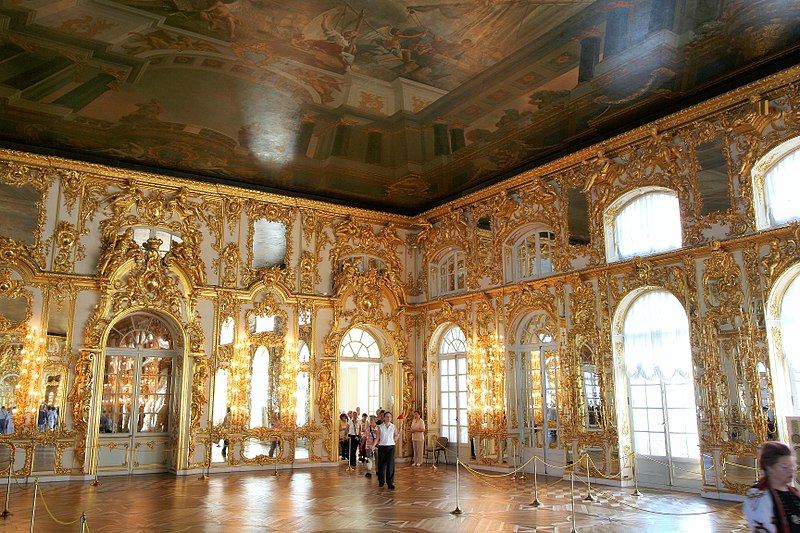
x=782, y=186
x=656, y=333
x=790, y=335
x=648, y=224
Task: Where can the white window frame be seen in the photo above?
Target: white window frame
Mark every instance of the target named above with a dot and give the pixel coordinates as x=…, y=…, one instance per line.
x=763, y=173
x=446, y=269
x=610, y=222
x=453, y=386
x=518, y=251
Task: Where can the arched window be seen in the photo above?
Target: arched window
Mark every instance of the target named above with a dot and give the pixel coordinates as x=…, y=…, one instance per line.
x=784, y=335
x=643, y=222
x=453, y=386
x=776, y=185
x=360, y=370
x=449, y=274
x=530, y=256
x=658, y=367
x=359, y=343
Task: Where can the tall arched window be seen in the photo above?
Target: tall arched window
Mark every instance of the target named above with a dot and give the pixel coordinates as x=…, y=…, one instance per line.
x=360, y=371
x=784, y=336
x=643, y=222
x=776, y=187
x=453, y=386
x=658, y=367
x=449, y=274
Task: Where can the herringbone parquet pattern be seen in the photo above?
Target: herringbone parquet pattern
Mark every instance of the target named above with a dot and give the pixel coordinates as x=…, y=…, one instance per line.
x=332, y=499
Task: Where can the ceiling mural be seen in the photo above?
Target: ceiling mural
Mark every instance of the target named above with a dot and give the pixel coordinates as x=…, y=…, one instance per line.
x=394, y=104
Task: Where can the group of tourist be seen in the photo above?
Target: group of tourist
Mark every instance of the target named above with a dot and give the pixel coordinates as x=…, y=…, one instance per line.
x=48, y=417
x=372, y=439
x=6, y=421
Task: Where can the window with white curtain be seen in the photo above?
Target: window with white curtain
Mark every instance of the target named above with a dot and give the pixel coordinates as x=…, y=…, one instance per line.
x=453, y=386
x=658, y=363
x=790, y=338
x=226, y=332
x=778, y=202
x=648, y=223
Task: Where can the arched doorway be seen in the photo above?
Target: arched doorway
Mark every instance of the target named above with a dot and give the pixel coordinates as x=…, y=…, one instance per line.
x=365, y=375
x=656, y=380
x=139, y=401
x=538, y=378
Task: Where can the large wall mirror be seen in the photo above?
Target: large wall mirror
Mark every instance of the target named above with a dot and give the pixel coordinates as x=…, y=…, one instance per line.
x=303, y=415
x=19, y=212
x=16, y=305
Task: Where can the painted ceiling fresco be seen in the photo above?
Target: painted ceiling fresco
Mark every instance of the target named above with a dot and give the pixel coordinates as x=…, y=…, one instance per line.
x=396, y=105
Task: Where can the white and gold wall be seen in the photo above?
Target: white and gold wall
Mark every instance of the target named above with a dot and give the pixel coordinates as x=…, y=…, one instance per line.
x=74, y=275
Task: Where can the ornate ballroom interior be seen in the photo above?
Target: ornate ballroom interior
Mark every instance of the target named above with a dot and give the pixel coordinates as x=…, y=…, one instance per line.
x=560, y=230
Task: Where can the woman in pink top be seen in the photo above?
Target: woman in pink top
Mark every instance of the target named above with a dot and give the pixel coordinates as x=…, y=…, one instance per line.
x=370, y=434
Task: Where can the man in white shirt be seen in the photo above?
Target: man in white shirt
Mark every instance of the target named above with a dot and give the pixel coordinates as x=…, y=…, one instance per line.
x=387, y=433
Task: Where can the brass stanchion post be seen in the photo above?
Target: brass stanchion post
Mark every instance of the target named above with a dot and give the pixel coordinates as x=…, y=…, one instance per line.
x=278, y=458
x=6, y=512
x=572, y=499
x=589, y=497
x=514, y=454
x=433, y=453
x=522, y=476
x=457, y=510
x=83, y=522
x=635, y=478
x=535, y=503
x=35, y=495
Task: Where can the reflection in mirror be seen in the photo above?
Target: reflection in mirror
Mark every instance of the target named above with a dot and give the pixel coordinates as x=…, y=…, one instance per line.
x=218, y=411
x=591, y=391
x=264, y=382
x=49, y=414
x=303, y=386
x=269, y=244
x=712, y=176
x=44, y=459
x=258, y=324
x=301, y=448
x=268, y=448
x=19, y=212
x=15, y=310
x=226, y=332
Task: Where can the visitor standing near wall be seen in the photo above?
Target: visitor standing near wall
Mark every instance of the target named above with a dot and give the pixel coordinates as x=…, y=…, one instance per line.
x=387, y=433
x=773, y=505
x=418, y=438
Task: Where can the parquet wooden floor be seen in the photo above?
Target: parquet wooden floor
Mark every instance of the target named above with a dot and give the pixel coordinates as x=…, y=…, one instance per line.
x=332, y=499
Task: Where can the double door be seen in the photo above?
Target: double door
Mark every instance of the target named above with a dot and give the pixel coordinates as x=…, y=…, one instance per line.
x=136, y=411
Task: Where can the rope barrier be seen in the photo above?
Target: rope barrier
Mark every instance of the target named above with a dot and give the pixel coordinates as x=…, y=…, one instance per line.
x=725, y=462
x=496, y=475
x=56, y=520
x=663, y=513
